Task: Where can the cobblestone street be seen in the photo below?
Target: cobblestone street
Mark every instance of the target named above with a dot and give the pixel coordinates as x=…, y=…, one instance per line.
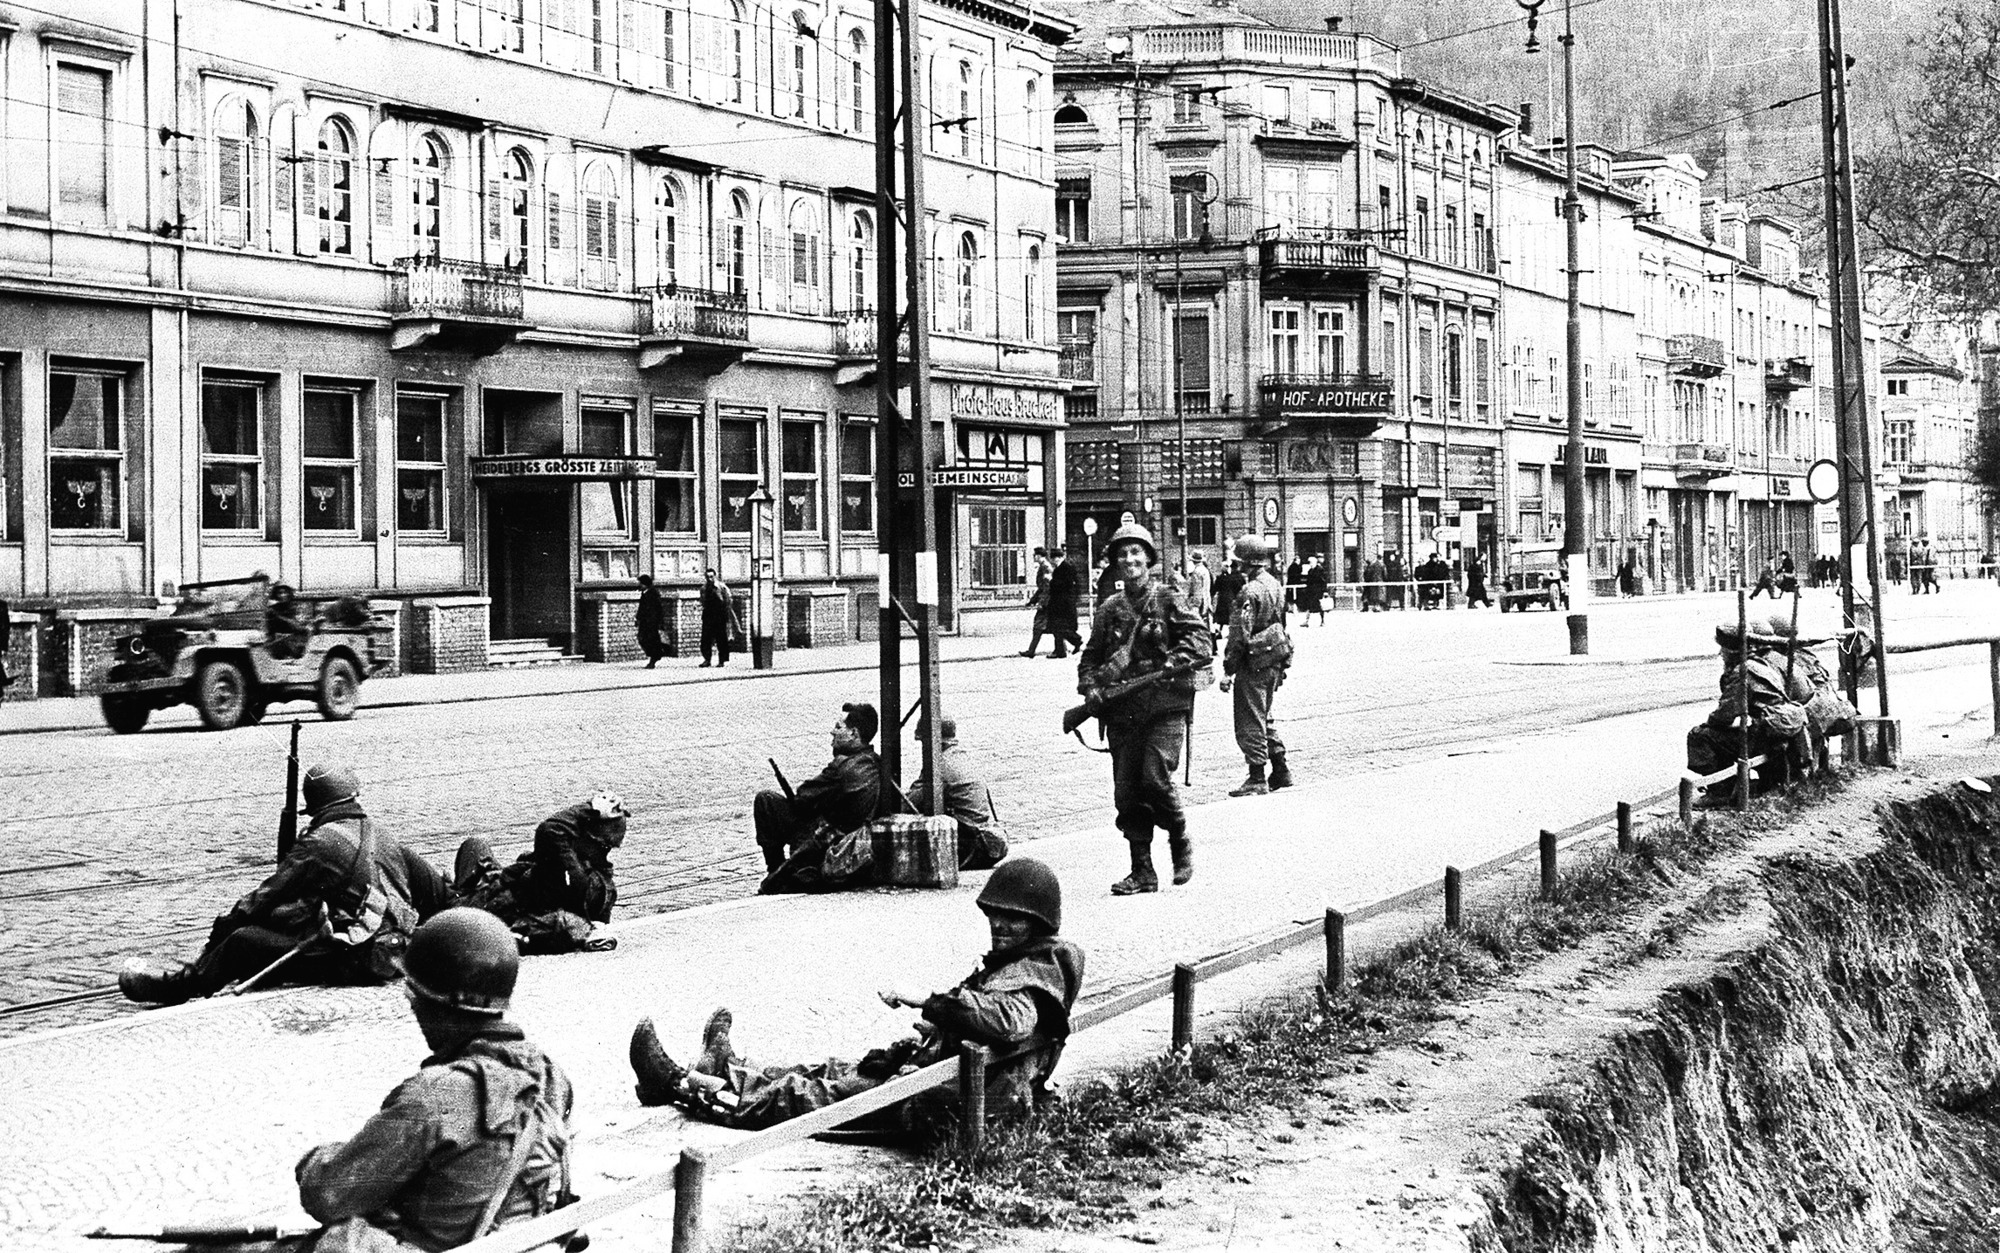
x=118, y=845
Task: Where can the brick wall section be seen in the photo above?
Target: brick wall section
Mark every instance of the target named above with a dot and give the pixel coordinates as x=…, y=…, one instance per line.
x=607, y=626
x=820, y=617
x=448, y=635
x=867, y=616
x=393, y=650
x=23, y=657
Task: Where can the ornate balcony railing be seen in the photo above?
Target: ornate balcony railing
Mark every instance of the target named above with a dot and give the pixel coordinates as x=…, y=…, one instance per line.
x=1702, y=460
x=439, y=287
x=1787, y=374
x=856, y=333
x=1317, y=249
x=678, y=312
x=1077, y=359
x=1697, y=356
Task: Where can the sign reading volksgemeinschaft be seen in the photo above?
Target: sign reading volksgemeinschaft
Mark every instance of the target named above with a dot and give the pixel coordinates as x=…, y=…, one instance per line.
x=952, y=476
x=562, y=468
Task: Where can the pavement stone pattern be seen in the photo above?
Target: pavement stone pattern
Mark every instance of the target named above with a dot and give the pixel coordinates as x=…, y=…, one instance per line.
x=1414, y=747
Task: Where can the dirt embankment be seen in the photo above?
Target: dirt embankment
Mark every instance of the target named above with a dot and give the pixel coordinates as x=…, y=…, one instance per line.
x=1832, y=1085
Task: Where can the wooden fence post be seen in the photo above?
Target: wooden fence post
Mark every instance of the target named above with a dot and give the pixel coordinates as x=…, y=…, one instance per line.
x=1183, y=1006
x=1687, y=802
x=972, y=1060
x=1453, y=898
x=1548, y=863
x=1993, y=665
x=1742, y=783
x=1624, y=826
x=1742, y=698
x=1336, y=951
x=690, y=1176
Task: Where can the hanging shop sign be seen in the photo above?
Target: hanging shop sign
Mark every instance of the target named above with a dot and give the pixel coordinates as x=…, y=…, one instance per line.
x=989, y=480
x=562, y=468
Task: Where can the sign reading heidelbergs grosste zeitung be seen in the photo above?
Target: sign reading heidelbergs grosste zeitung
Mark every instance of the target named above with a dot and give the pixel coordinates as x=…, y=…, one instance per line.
x=1353, y=397
x=562, y=467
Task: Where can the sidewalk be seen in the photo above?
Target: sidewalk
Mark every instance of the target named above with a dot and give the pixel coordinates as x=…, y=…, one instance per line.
x=199, y=1111
x=998, y=635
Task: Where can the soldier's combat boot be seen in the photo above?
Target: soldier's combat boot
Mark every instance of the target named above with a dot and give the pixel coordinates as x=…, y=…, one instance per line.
x=660, y=1077
x=1182, y=848
x=1281, y=774
x=157, y=983
x=1143, y=877
x=716, y=1054
x=1254, y=785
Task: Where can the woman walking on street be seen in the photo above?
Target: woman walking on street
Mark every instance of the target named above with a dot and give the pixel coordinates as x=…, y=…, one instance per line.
x=1313, y=598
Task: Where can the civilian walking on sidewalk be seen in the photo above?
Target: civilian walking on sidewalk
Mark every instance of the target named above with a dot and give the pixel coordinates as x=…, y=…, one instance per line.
x=1397, y=576
x=1254, y=664
x=1475, y=583
x=1200, y=586
x=1039, y=602
x=1295, y=577
x=1374, y=596
x=652, y=618
x=1138, y=674
x=1312, y=598
x=1065, y=590
x=719, y=624
x=1228, y=586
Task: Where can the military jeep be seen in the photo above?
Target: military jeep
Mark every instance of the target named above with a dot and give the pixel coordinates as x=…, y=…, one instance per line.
x=232, y=650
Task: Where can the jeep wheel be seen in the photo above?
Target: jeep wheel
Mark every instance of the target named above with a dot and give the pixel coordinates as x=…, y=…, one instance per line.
x=222, y=693
x=124, y=714
x=339, y=689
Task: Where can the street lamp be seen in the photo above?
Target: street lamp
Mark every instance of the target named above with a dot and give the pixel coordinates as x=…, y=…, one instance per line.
x=763, y=575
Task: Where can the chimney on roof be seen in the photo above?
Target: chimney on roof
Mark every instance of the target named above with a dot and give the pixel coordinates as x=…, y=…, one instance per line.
x=1527, y=117
x=1333, y=25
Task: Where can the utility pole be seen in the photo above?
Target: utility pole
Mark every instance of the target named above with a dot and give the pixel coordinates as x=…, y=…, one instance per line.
x=1576, y=552
x=1855, y=450
x=920, y=404
x=1180, y=408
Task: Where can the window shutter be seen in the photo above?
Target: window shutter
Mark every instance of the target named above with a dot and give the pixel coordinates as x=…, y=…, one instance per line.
x=555, y=222
x=229, y=209
x=628, y=57
x=284, y=206
x=593, y=227
x=310, y=175
x=495, y=212
x=256, y=223
x=769, y=280
x=611, y=225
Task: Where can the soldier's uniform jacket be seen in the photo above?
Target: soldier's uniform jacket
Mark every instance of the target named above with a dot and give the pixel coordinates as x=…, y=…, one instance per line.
x=1259, y=606
x=1023, y=994
x=324, y=868
x=424, y=1167
x=566, y=870
x=1133, y=634
x=846, y=795
x=965, y=799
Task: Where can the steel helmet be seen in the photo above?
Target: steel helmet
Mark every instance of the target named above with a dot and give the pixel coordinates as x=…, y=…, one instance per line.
x=1780, y=625
x=1022, y=885
x=1133, y=531
x=326, y=784
x=1252, y=548
x=464, y=959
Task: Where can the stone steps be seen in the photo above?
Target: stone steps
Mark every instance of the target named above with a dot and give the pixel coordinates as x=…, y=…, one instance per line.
x=514, y=654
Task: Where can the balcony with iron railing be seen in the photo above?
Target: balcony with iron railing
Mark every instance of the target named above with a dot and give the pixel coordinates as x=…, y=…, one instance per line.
x=1317, y=250
x=1702, y=460
x=1787, y=374
x=1695, y=356
x=1076, y=359
x=695, y=326
x=442, y=303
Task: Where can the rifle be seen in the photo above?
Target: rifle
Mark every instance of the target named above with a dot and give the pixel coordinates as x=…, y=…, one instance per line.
x=784, y=784
x=1094, y=705
x=202, y=1233
x=288, y=821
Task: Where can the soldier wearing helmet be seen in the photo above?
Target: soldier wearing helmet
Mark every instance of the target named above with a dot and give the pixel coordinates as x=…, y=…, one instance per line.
x=1016, y=1003
x=1146, y=631
x=556, y=895
x=338, y=909
x=1254, y=664
x=477, y=1139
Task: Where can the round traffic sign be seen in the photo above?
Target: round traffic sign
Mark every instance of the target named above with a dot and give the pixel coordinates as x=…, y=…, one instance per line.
x=1823, y=481
x=1090, y=526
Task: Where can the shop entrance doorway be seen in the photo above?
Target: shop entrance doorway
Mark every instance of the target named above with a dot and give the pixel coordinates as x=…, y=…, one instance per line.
x=528, y=563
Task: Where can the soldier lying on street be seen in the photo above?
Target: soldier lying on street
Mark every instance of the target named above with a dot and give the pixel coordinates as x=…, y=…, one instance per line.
x=557, y=894
x=1017, y=1003
x=794, y=827
x=339, y=908
x=477, y=1139
x=982, y=841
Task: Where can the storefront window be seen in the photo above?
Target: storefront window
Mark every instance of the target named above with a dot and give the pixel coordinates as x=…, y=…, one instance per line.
x=604, y=431
x=420, y=489
x=999, y=545
x=802, y=441
x=857, y=474
x=232, y=471
x=740, y=465
x=674, y=469
x=86, y=457
x=331, y=462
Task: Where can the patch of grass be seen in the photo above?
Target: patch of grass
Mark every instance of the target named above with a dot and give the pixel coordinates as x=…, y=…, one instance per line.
x=1081, y=1162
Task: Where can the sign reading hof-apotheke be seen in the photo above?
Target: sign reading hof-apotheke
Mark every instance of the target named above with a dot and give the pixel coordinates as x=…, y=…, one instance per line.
x=1338, y=396
x=562, y=468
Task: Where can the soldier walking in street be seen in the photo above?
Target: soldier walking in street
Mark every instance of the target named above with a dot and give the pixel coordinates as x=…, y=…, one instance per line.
x=556, y=895
x=339, y=908
x=794, y=828
x=476, y=1140
x=1254, y=663
x=719, y=625
x=1137, y=674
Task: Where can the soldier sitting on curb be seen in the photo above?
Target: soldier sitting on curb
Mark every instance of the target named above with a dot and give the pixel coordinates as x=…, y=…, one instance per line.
x=1017, y=1003
x=1776, y=710
x=477, y=1139
x=338, y=909
x=982, y=841
x=556, y=895
x=795, y=827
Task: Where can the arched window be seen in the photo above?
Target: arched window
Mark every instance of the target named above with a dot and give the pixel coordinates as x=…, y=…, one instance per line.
x=857, y=82
x=965, y=114
x=600, y=226
x=1031, y=292
x=731, y=58
x=738, y=256
x=1072, y=115
x=806, y=244
x=968, y=272
x=667, y=230
x=517, y=178
x=237, y=186
x=801, y=64
x=860, y=260
x=331, y=195
x=429, y=165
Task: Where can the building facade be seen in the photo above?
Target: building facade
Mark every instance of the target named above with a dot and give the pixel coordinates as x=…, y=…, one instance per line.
x=1930, y=409
x=504, y=299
